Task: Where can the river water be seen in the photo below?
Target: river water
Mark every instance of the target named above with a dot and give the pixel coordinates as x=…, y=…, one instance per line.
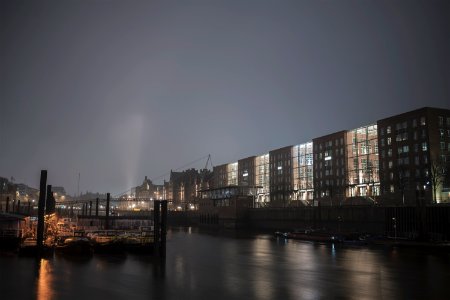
x=230, y=266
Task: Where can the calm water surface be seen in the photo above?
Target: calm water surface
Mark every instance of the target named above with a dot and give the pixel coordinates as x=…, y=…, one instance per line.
x=217, y=266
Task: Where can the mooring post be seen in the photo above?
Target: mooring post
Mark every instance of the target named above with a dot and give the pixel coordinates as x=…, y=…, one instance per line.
x=41, y=210
x=50, y=201
x=107, y=211
x=90, y=208
x=29, y=208
x=163, y=227
x=96, y=207
x=18, y=207
x=7, y=204
x=156, y=227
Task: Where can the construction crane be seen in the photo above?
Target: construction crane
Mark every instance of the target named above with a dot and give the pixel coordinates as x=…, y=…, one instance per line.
x=208, y=161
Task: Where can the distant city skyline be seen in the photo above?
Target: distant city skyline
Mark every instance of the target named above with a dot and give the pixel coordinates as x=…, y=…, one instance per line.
x=119, y=90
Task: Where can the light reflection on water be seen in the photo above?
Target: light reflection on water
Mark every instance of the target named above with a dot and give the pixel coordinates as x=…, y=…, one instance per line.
x=212, y=266
x=45, y=290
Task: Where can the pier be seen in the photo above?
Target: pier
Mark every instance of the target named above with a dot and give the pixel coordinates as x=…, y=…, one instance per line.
x=54, y=229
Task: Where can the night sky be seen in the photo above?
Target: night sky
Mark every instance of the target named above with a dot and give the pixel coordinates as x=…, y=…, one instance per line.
x=117, y=90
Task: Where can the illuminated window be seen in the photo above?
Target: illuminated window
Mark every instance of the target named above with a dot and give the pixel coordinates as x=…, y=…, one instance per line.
x=424, y=146
x=423, y=121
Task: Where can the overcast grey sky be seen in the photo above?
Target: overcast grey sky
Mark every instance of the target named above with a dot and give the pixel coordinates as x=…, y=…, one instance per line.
x=116, y=90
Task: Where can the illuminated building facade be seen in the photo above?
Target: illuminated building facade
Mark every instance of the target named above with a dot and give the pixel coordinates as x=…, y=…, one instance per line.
x=262, y=180
x=383, y=162
x=362, y=172
x=302, y=164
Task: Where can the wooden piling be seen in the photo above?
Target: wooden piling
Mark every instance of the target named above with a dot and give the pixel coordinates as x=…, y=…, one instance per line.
x=156, y=227
x=18, y=207
x=29, y=207
x=7, y=204
x=163, y=227
x=41, y=210
x=96, y=207
x=90, y=208
x=49, y=201
x=107, y=211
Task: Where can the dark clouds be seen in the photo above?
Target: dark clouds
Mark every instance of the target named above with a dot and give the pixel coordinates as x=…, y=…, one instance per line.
x=125, y=89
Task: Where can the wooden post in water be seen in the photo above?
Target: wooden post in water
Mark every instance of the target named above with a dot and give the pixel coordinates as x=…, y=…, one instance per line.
x=107, y=211
x=18, y=207
x=156, y=227
x=50, y=201
x=163, y=228
x=7, y=204
x=29, y=208
x=41, y=210
x=90, y=208
x=96, y=207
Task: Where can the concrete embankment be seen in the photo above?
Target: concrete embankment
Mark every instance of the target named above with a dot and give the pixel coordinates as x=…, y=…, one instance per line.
x=431, y=222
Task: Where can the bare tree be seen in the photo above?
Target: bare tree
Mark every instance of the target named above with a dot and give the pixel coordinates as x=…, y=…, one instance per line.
x=437, y=174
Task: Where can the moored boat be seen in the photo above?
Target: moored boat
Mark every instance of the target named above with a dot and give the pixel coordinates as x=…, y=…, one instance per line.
x=29, y=247
x=139, y=241
x=315, y=236
x=107, y=241
x=77, y=244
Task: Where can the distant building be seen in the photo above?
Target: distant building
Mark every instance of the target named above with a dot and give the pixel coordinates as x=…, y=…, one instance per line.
x=8, y=192
x=186, y=186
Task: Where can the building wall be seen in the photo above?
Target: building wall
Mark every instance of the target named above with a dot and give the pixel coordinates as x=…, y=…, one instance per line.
x=408, y=144
x=303, y=176
x=362, y=178
x=220, y=176
x=330, y=168
x=281, y=177
x=246, y=171
x=262, y=180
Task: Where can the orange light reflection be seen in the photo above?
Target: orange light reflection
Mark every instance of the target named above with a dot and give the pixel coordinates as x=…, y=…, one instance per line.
x=44, y=281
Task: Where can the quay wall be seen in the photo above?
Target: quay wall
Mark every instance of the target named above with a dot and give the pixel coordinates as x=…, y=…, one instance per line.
x=431, y=222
